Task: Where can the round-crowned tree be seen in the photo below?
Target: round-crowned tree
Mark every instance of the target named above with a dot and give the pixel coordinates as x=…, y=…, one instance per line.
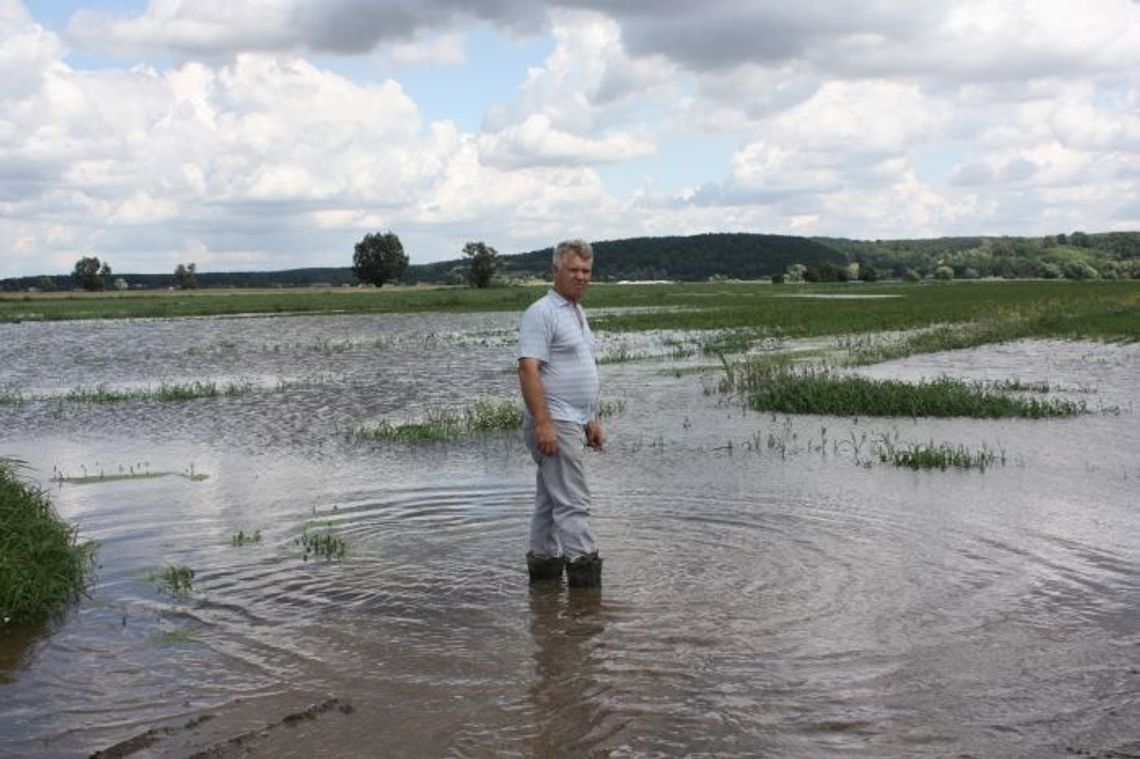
x=379, y=258
x=483, y=261
x=91, y=274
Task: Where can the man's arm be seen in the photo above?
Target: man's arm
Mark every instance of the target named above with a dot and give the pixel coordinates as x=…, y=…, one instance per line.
x=534, y=396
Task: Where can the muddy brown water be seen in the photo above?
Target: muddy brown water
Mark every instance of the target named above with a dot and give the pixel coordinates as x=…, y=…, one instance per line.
x=769, y=590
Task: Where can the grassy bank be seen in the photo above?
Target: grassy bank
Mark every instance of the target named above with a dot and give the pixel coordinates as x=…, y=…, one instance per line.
x=42, y=565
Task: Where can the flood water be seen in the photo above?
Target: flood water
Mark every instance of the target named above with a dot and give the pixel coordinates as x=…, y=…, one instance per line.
x=770, y=589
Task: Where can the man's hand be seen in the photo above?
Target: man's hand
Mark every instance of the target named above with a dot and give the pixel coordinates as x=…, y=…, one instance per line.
x=546, y=436
x=594, y=436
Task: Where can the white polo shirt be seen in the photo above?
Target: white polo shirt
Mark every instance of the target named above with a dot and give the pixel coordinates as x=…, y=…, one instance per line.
x=555, y=331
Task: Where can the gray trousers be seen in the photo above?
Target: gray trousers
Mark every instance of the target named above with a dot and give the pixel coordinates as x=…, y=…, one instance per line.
x=560, y=523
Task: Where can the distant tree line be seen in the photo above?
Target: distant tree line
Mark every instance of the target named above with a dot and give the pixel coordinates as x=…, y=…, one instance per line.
x=1076, y=255
x=1071, y=255
x=307, y=277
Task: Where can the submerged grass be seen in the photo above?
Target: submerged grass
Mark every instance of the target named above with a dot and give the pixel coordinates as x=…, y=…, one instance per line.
x=243, y=538
x=133, y=472
x=322, y=545
x=164, y=392
x=784, y=440
x=822, y=391
x=176, y=579
x=11, y=397
x=167, y=392
x=43, y=566
x=482, y=417
x=175, y=636
x=938, y=456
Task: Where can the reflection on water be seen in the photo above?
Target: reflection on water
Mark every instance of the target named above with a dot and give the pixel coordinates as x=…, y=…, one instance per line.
x=769, y=590
x=567, y=691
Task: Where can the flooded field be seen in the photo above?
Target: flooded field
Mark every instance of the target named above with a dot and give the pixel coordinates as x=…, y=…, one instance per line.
x=770, y=589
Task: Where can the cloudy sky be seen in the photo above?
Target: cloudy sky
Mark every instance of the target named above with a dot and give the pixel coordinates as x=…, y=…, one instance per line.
x=272, y=134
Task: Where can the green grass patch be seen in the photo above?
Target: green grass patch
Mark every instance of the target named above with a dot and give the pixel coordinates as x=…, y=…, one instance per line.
x=620, y=354
x=165, y=392
x=133, y=472
x=482, y=417
x=243, y=538
x=1018, y=386
x=176, y=579
x=822, y=391
x=11, y=397
x=610, y=407
x=943, y=337
x=937, y=456
x=43, y=566
x=175, y=636
x=91, y=479
x=727, y=341
x=322, y=545
x=785, y=440
x=671, y=349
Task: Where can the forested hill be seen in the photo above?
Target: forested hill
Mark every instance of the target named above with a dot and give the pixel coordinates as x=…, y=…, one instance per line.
x=697, y=257
x=1077, y=255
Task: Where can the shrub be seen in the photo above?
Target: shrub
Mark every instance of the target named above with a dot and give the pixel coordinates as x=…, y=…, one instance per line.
x=1079, y=270
x=42, y=566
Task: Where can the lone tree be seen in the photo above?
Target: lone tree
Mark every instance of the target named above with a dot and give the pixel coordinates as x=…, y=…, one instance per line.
x=483, y=263
x=379, y=258
x=186, y=276
x=91, y=274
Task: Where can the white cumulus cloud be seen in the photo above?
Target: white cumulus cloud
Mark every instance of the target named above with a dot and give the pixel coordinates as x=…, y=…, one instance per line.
x=276, y=133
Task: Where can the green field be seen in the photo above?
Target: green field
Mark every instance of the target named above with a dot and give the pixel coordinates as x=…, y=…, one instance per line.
x=171, y=304
x=997, y=310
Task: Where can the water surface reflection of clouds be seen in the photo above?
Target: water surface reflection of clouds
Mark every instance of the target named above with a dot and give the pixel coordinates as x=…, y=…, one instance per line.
x=770, y=587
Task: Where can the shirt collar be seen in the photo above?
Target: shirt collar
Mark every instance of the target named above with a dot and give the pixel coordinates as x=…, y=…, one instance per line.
x=560, y=299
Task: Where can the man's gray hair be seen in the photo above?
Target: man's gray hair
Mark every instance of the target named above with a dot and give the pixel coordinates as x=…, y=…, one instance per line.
x=579, y=248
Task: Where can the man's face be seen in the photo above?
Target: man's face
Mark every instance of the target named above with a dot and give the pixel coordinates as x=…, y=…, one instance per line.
x=572, y=277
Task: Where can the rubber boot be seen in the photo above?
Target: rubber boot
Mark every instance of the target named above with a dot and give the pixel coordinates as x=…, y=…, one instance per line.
x=544, y=568
x=585, y=571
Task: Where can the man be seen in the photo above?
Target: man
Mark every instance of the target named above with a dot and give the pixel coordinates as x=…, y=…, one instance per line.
x=558, y=375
